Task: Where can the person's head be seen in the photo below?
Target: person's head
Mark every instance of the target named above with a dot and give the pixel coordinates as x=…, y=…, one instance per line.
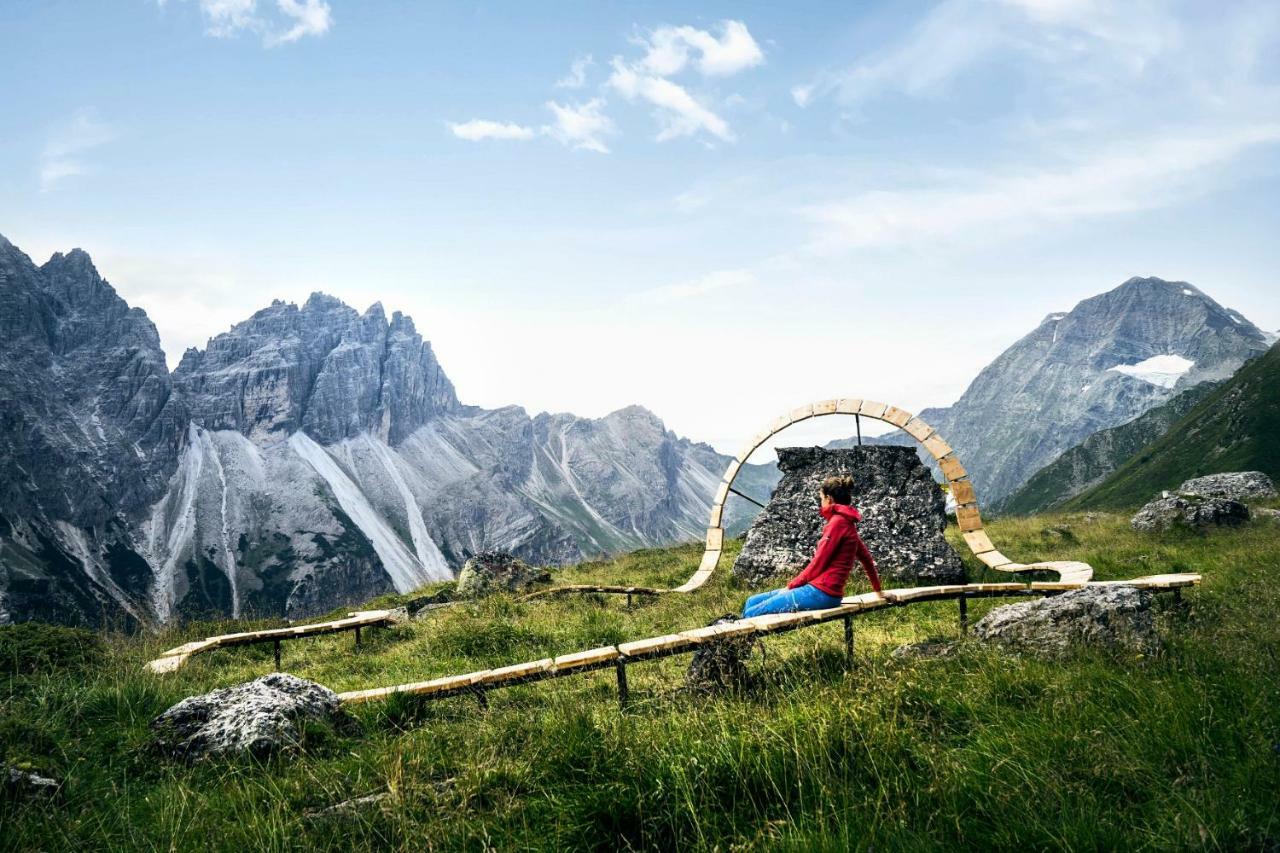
x=836, y=490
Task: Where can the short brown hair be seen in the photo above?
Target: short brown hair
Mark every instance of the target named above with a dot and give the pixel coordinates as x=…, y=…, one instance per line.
x=839, y=488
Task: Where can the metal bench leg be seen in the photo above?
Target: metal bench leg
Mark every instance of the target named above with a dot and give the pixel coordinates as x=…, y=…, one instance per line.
x=964, y=615
x=277, y=650
x=848, y=640
x=623, y=694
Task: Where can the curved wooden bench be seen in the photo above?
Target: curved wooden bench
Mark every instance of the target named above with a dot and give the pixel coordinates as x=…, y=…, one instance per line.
x=967, y=514
x=480, y=681
x=176, y=657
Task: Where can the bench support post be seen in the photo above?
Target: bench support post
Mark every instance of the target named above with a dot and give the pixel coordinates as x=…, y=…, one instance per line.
x=620, y=669
x=848, y=640
x=277, y=650
x=964, y=615
x=357, y=636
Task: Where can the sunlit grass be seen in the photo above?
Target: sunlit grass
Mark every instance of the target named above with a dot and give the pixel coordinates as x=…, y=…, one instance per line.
x=982, y=749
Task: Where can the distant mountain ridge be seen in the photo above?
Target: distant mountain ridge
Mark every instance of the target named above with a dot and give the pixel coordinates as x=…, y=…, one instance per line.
x=1102, y=364
x=1234, y=428
x=309, y=457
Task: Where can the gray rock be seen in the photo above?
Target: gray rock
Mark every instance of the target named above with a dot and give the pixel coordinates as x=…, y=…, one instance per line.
x=1235, y=486
x=1191, y=511
x=720, y=665
x=353, y=806
x=1108, y=616
x=26, y=785
x=259, y=717
x=498, y=571
x=903, y=516
x=1272, y=515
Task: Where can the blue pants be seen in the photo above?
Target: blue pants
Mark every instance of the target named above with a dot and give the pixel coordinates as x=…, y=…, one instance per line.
x=788, y=601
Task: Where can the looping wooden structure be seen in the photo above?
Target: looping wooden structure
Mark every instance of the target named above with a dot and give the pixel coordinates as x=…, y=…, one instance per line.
x=967, y=515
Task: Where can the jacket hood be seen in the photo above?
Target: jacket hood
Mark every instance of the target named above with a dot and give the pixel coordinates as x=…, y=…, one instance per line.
x=849, y=512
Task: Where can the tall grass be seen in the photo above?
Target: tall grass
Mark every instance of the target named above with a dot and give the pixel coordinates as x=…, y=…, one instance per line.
x=981, y=749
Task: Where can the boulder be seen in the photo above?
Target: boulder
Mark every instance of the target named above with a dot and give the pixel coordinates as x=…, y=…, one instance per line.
x=903, y=516
x=1192, y=511
x=926, y=649
x=497, y=571
x=1235, y=486
x=260, y=717
x=720, y=664
x=1267, y=514
x=1107, y=616
x=27, y=785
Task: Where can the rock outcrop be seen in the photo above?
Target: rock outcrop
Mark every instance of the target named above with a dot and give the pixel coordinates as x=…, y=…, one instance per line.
x=1189, y=511
x=1106, y=616
x=1235, y=486
x=26, y=785
x=498, y=571
x=903, y=516
x=259, y=717
x=720, y=665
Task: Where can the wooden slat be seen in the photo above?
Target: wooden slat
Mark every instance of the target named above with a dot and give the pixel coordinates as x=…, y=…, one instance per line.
x=715, y=538
x=994, y=559
x=717, y=515
x=951, y=468
x=653, y=644
x=848, y=405
x=918, y=429
x=722, y=494
x=516, y=671
x=585, y=658
x=731, y=471
x=936, y=446
x=968, y=518
x=962, y=492
x=872, y=409
x=978, y=541
x=897, y=417
x=824, y=407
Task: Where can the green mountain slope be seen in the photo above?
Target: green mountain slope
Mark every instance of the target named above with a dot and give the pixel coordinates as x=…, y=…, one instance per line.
x=1090, y=462
x=1236, y=428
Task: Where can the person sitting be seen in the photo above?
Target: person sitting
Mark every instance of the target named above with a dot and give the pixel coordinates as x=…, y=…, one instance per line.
x=821, y=584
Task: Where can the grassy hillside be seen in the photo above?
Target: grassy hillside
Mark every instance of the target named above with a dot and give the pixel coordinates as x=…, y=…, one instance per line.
x=980, y=750
x=1236, y=428
x=1095, y=458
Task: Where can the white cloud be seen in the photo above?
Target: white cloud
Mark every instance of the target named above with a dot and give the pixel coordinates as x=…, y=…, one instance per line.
x=292, y=19
x=478, y=129
x=580, y=125
x=708, y=283
x=679, y=112
x=64, y=150
x=1145, y=174
x=577, y=76
x=668, y=49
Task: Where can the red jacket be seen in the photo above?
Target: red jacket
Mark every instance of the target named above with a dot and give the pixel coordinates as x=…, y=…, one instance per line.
x=839, y=546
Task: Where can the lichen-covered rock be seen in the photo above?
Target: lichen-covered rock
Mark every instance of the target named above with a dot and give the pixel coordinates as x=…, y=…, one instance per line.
x=27, y=785
x=720, y=664
x=1108, y=616
x=1192, y=511
x=903, y=516
x=497, y=571
x=1267, y=514
x=1233, y=485
x=260, y=717
x=926, y=649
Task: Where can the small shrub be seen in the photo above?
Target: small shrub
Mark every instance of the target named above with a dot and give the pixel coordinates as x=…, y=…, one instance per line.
x=31, y=647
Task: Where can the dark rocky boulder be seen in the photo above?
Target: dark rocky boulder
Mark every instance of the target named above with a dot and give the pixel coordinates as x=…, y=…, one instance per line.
x=1233, y=486
x=1190, y=511
x=903, y=516
x=497, y=571
x=1106, y=616
x=259, y=717
x=720, y=665
x=20, y=785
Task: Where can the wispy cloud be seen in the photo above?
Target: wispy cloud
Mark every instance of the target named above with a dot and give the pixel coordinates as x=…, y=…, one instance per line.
x=679, y=111
x=704, y=284
x=64, y=151
x=577, y=76
x=1143, y=175
x=478, y=129
x=580, y=125
x=284, y=22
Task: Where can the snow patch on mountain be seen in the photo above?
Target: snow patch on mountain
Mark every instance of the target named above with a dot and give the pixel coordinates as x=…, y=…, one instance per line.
x=1160, y=370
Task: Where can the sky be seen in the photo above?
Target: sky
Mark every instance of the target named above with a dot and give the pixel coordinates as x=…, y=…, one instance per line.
x=719, y=211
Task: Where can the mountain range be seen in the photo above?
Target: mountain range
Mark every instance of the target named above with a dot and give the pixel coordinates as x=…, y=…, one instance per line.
x=310, y=457
x=1103, y=363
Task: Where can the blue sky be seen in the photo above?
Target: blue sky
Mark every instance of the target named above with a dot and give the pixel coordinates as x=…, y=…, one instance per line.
x=719, y=211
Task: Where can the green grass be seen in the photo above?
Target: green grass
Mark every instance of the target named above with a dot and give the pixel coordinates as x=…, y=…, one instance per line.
x=979, y=750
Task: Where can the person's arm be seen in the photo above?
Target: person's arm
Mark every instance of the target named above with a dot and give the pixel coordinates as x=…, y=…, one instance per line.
x=868, y=564
x=821, y=557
